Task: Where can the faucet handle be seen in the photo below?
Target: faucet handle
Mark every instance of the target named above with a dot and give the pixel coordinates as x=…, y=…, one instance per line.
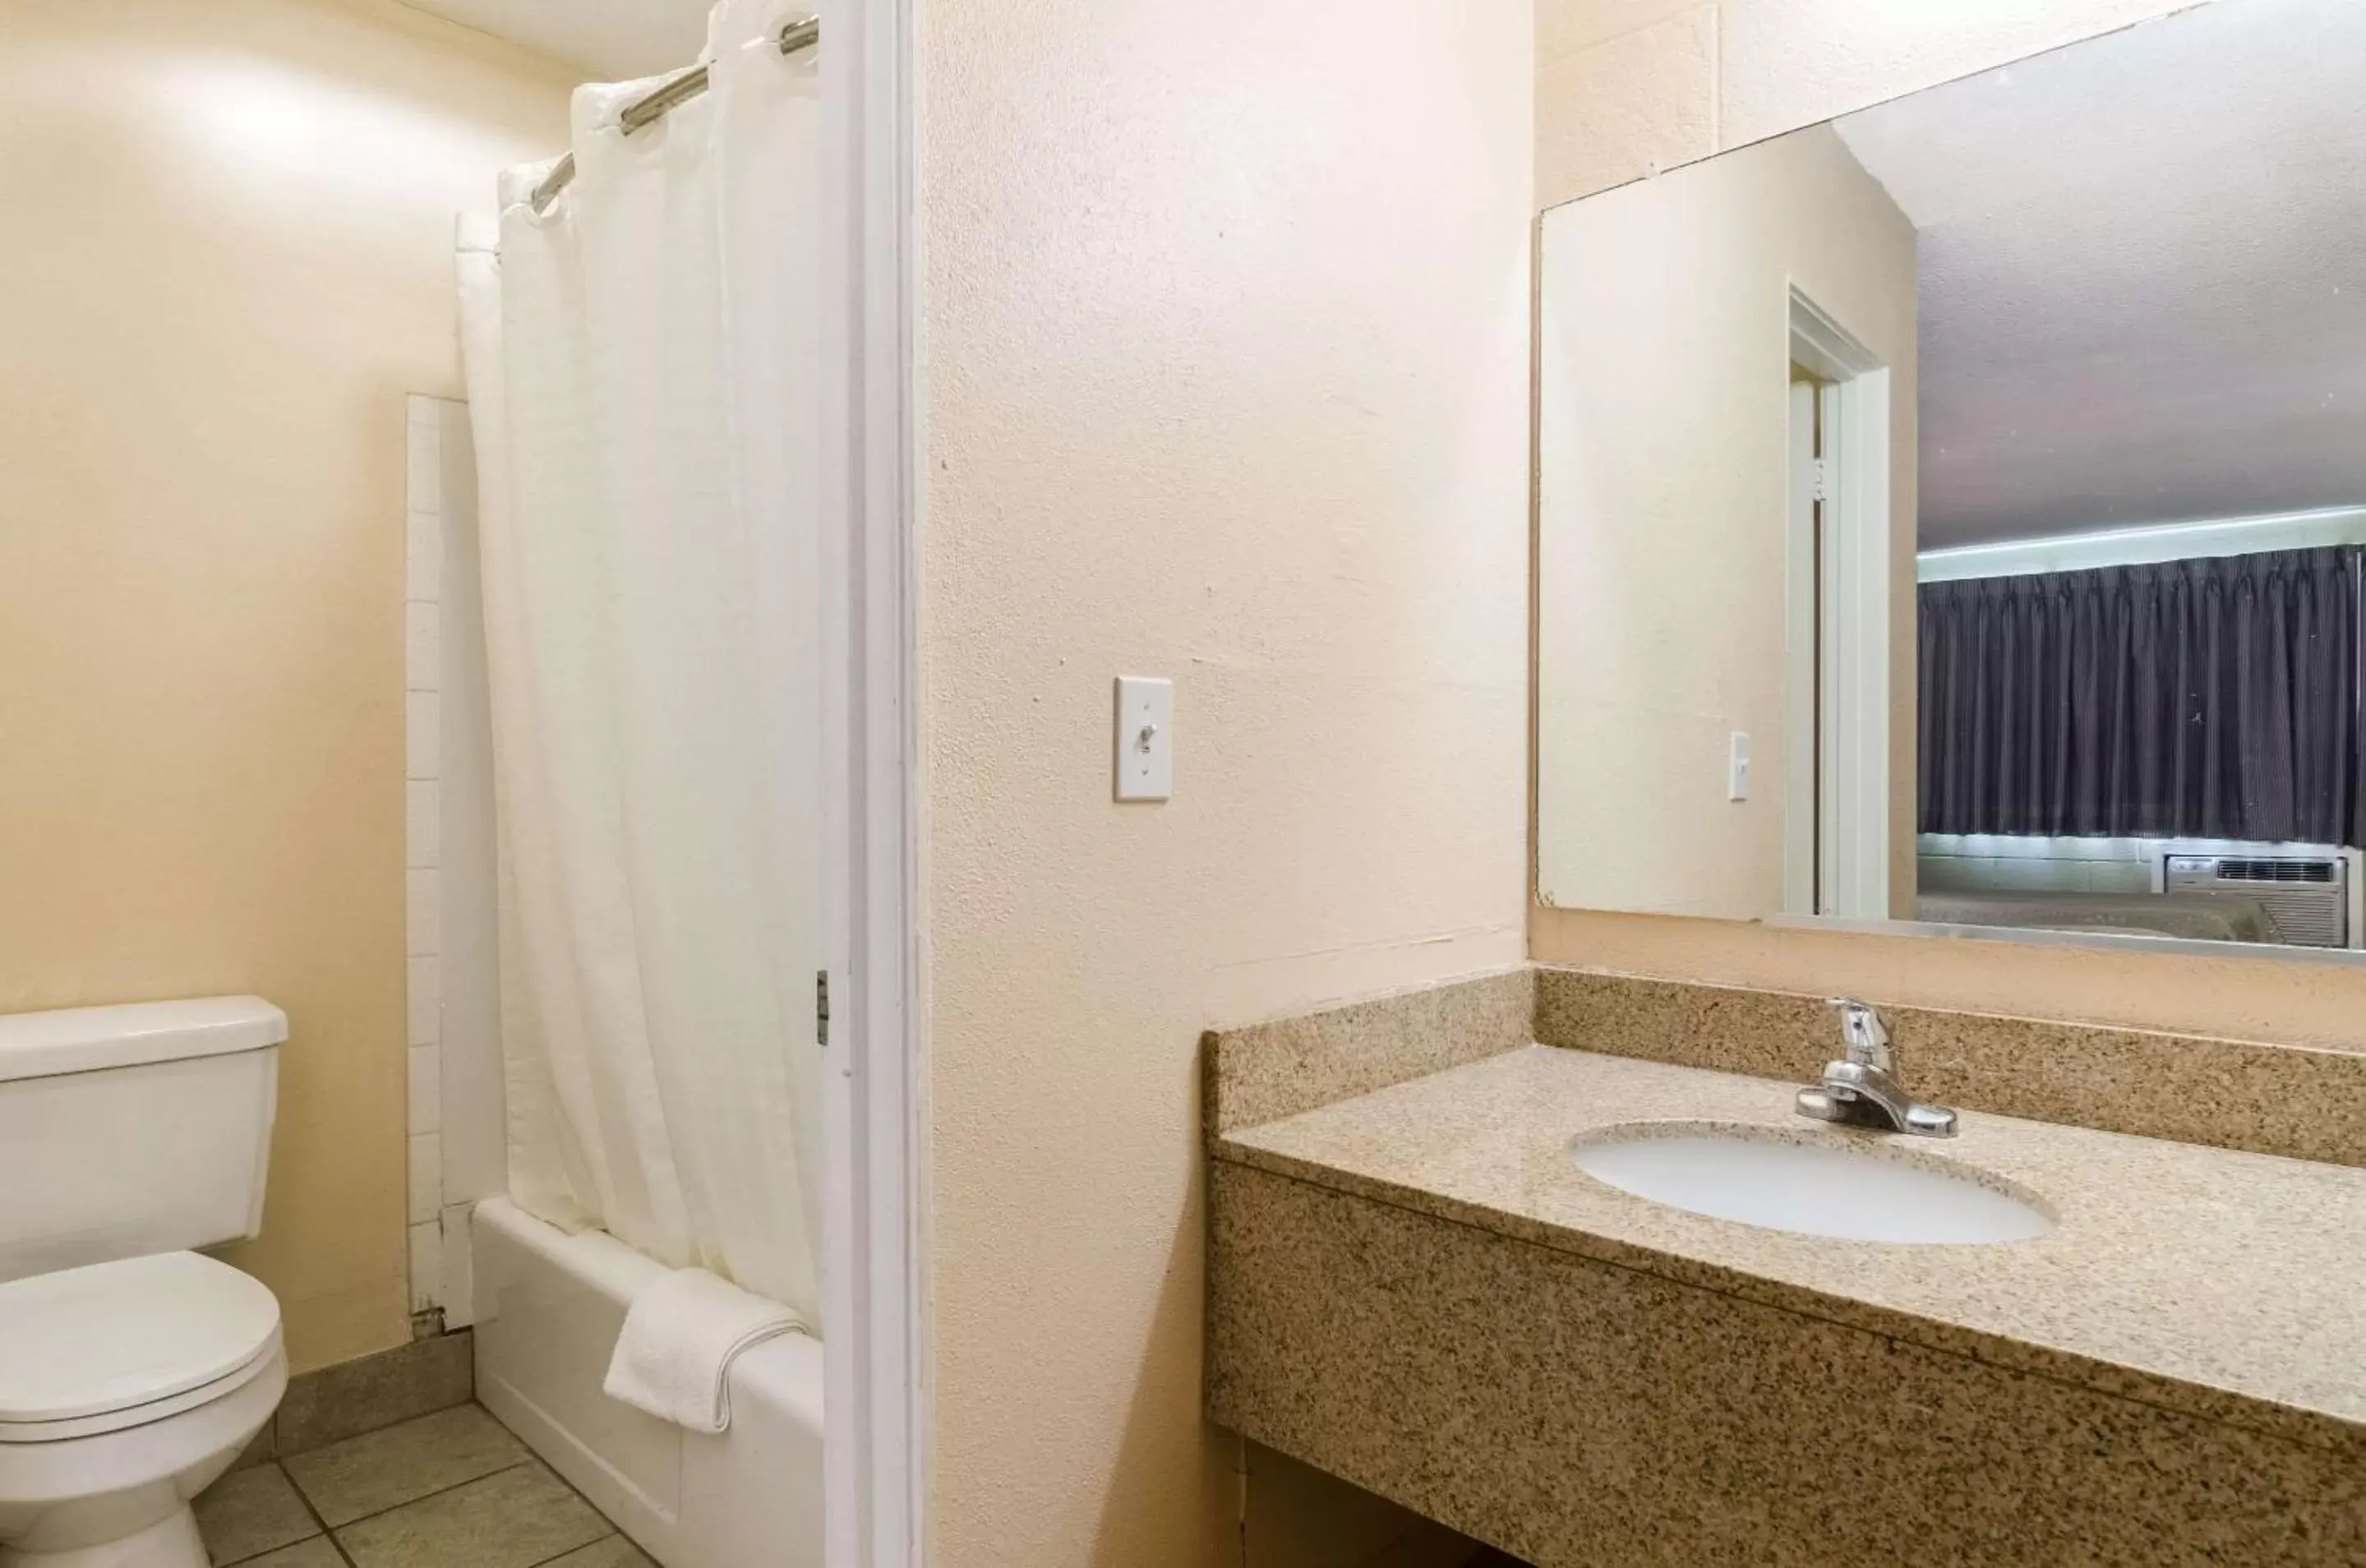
x=1866, y=1040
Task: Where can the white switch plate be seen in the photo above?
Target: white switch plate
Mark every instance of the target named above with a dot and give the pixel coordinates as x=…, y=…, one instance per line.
x=1145, y=737
x=1736, y=766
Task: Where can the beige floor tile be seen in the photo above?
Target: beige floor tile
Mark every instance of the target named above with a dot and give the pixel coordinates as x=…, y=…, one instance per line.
x=251, y=1511
x=386, y=1469
x=514, y=1518
x=616, y=1552
x=314, y=1553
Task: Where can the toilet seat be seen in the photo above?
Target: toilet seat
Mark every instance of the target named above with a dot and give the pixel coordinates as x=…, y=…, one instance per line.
x=118, y=1345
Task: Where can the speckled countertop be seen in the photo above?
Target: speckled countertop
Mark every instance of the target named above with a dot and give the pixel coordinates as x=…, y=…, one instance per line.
x=2227, y=1285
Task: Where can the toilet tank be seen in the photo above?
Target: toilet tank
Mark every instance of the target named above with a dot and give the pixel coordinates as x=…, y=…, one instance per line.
x=132, y=1130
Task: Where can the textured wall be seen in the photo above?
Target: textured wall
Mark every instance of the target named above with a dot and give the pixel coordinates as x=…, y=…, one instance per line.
x=228, y=256
x=1225, y=357
x=1626, y=86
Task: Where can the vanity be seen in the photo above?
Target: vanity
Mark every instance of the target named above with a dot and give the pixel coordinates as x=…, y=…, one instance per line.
x=1950, y=524
x=2030, y=1342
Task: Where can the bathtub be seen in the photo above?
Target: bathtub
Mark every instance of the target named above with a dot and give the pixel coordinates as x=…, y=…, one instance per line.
x=547, y=1309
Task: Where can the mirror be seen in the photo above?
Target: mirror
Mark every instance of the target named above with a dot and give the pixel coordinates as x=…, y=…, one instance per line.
x=1954, y=512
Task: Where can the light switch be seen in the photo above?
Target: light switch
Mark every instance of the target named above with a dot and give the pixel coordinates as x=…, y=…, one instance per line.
x=1145, y=737
x=1736, y=766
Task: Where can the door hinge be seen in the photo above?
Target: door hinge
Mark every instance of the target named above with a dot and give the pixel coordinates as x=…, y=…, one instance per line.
x=1823, y=479
x=821, y=1007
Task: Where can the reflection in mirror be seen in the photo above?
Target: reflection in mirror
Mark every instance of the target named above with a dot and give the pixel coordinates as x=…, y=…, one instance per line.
x=1956, y=512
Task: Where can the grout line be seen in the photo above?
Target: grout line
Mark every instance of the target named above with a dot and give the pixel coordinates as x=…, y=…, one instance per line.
x=597, y=1513
x=398, y=1507
x=613, y=1531
x=314, y=1515
x=301, y=1501
x=526, y=1457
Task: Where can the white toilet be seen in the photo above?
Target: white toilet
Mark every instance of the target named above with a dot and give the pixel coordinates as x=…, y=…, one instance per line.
x=132, y=1371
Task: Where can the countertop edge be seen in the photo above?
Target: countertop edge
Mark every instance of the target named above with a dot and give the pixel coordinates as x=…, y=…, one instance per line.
x=2298, y=1424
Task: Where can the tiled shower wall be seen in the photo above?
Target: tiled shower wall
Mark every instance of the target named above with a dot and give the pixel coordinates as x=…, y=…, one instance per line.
x=456, y=1099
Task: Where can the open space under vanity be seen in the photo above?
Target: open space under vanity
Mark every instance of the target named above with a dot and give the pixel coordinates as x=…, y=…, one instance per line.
x=1414, y=1287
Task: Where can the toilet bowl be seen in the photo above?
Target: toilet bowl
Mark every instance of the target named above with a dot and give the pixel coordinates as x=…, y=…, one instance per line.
x=132, y=1369
x=125, y=1389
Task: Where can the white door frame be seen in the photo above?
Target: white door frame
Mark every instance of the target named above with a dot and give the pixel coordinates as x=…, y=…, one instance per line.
x=1852, y=805
x=873, y=1254
x=1802, y=675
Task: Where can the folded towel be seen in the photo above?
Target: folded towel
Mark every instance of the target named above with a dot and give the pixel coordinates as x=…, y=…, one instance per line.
x=673, y=1358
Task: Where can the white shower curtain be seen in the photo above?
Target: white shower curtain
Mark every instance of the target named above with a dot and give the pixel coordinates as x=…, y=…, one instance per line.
x=643, y=374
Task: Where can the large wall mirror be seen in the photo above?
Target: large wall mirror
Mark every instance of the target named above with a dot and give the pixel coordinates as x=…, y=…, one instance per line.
x=1954, y=512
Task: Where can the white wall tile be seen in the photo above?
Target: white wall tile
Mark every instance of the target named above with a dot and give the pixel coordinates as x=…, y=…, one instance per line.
x=426, y=1009
x=426, y=1265
x=427, y=1185
x=422, y=734
x=423, y=913
x=424, y=469
x=426, y=1089
x=423, y=647
x=423, y=823
x=422, y=558
x=440, y=470
x=448, y=820
x=459, y=1278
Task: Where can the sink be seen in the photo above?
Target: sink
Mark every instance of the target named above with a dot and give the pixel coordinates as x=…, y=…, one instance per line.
x=1781, y=1181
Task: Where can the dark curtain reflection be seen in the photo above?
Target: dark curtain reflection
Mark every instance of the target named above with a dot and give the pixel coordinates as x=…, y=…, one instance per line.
x=2212, y=698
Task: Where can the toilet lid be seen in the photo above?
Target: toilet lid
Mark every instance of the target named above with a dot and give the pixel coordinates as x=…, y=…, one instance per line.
x=84, y=1341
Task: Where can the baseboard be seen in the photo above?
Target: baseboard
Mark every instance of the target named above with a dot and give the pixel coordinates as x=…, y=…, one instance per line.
x=331, y=1403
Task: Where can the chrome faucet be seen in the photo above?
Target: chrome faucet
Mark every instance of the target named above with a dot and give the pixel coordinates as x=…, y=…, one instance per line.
x=1861, y=1088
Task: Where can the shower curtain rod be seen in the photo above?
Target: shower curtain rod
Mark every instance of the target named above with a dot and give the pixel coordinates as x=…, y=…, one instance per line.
x=803, y=33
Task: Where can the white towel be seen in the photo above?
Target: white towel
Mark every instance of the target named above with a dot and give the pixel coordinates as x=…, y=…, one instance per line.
x=673, y=1358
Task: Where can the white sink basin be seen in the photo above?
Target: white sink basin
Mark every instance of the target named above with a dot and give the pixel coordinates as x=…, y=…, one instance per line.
x=1759, y=1178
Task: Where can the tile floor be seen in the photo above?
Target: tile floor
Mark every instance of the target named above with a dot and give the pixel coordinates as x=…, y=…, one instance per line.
x=450, y=1490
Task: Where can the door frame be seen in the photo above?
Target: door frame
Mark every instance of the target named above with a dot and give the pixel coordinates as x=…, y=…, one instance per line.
x=873, y=1223
x=1802, y=654
x=1853, y=634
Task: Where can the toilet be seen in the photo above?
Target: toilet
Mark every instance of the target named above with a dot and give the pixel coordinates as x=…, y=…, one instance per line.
x=132, y=1369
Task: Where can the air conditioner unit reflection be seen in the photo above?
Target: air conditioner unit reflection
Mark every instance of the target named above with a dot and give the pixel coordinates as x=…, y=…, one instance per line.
x=2307, y=895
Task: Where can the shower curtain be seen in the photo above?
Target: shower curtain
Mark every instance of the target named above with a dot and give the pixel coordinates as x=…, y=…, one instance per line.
x=643, y=373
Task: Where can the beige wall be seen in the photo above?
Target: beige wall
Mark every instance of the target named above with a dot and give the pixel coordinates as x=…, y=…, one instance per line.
x=1664, y=518
x=1225, y=355
x=1778, y=64
x=228, y=256
x=1627, y=85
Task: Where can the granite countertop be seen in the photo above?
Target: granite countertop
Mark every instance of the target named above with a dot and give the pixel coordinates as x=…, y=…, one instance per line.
x=2227, y=1285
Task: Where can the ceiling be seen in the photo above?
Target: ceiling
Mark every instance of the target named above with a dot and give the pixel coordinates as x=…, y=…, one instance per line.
x=2142, y=273
x=611, y=40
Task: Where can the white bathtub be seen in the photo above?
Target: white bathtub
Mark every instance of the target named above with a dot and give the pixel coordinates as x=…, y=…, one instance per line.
x=547, y=1309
